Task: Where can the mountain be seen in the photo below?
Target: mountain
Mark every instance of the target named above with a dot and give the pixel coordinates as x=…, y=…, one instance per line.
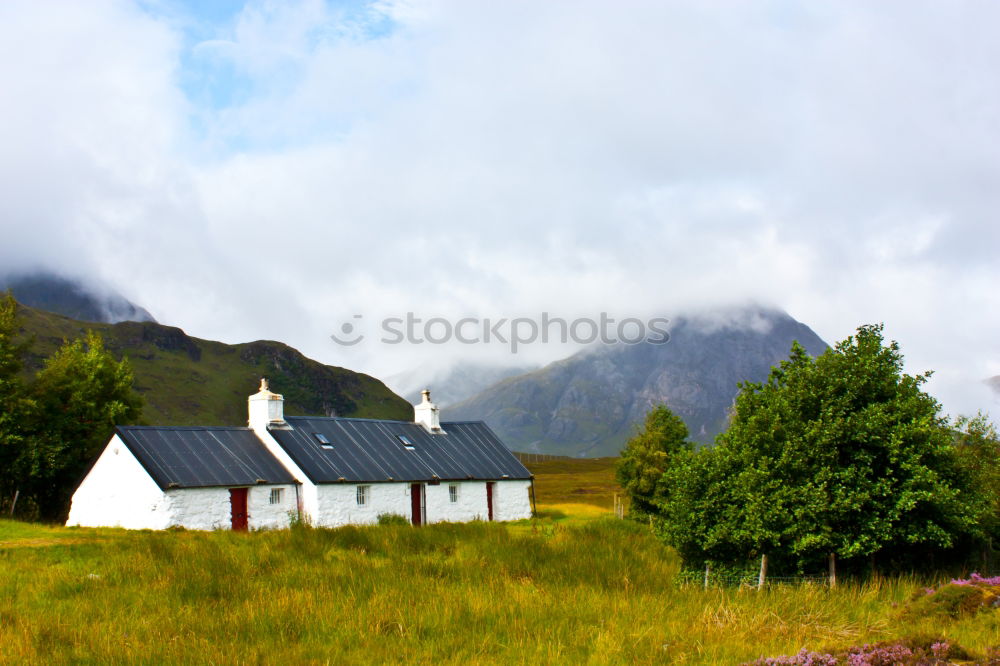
x=452, y=383
x=188, y=381
x=71, y=298
x=994, y=383
x=589, y=404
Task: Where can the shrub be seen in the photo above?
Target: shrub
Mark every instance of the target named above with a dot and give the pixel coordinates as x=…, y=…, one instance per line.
x=958, y=598
x=392, y=519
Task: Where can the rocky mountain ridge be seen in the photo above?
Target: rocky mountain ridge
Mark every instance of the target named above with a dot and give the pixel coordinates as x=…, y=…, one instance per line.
x=72, y=298
x=589, y=404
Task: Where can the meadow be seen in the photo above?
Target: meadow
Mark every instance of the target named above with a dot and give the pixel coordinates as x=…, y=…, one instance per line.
x=576, y=586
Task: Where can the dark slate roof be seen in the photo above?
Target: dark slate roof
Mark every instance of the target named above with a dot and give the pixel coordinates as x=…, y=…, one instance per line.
x=363, y=450
x=203, y=457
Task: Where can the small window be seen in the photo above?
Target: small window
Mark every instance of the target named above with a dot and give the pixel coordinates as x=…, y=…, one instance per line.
x=406, y=442
x=364, y=493
x=276, y=494
x=453, y=492
x=323, y=441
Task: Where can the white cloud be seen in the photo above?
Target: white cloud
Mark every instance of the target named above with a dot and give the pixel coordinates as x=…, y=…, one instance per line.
x=838, y=159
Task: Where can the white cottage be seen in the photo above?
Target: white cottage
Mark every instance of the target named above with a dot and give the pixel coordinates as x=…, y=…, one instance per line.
x=329, y=471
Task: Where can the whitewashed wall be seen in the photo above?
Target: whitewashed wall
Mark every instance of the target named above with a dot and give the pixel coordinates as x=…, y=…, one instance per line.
x=338, y=503
x=210, y=508
x=512, y=500
x=263, y=515
x=118, y=492
x=309, y=498
x=471, y=504
x=199, y=508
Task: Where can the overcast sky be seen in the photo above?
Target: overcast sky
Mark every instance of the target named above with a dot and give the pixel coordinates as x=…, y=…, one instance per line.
x=270, y=169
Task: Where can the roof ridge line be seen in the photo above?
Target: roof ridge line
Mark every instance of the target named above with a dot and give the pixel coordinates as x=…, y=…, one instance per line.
x=156, y=427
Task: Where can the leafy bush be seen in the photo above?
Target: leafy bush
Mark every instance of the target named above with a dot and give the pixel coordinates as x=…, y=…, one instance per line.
x=392, y=519
x=958, y=598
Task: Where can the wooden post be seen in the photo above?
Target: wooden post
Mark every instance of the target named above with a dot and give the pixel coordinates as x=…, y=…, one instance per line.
x=833, y=571
x=14, y=503
x=534, y=511
x=707, y=571
x=619, y=507
x=763, y=572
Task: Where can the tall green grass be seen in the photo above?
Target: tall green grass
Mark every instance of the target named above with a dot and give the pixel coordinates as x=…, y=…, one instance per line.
x=600, y=591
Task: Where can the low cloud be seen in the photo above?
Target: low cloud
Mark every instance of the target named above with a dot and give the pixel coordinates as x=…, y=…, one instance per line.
x=273, y=173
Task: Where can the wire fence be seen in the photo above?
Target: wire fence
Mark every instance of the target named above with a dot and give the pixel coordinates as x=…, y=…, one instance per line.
x=746, y=579
x=538, y=457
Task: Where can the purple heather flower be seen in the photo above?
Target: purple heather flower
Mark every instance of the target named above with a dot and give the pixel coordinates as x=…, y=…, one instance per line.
x=976, y=579
x=803, y=658
x=873, y=655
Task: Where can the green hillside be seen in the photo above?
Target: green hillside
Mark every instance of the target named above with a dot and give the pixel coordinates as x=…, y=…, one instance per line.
x=188, y=381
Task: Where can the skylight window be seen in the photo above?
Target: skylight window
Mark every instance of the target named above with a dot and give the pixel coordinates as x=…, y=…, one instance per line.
x=406, y=442
x=323, y=441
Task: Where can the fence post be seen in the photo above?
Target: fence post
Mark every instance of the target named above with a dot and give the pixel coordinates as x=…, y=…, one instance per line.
x=707, y=571
x=833, y=570
x=763, y=572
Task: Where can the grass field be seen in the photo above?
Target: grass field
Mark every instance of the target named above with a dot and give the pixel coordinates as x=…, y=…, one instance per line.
x=588, y=481
x=575, y=587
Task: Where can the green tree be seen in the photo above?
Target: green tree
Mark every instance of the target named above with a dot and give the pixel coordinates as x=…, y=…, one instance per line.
x=12, y=392
x=978, y=446
x=842, y=454
x=648, y=455
x=80, y=394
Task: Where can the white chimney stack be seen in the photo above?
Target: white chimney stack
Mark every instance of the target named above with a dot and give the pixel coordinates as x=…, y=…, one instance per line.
x=428, y=414
x=266, y=408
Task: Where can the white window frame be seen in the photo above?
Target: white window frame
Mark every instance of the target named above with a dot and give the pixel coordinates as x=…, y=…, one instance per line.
x=277, y=496
x=364, y=495
x=453, y=493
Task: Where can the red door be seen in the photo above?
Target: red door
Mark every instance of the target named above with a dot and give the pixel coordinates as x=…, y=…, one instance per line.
x=489, y=499
x=416, y=503
x=238, y=508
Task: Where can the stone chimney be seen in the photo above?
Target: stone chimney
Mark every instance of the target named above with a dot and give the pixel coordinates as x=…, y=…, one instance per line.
x=266, y=408
x=428, y=414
